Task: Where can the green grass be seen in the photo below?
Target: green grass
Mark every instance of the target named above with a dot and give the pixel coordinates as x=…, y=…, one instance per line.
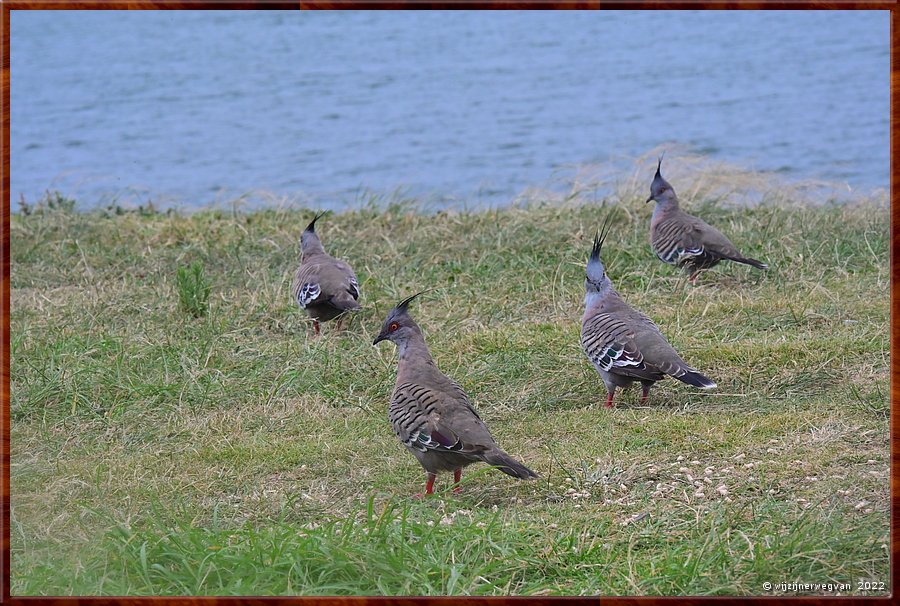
x=193, y=289
x=158, y=453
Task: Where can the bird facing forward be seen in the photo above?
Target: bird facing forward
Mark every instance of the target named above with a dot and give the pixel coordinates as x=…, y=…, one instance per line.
x=684, y=240
x=430, y=412
x=324, y=286
x=623, y=344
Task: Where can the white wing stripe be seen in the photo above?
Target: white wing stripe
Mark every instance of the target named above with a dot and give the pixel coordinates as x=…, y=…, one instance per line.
x=308, y=293
x=686, y=253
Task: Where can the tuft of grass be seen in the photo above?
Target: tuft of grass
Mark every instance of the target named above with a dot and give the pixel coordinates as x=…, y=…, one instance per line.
x=51, y=202
x=193, y=290
x=153, y=454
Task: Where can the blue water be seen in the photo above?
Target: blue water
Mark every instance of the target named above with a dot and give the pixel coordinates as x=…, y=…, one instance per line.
x=193, y=108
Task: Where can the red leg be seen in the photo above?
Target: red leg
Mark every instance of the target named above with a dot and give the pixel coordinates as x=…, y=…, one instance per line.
x=457, y=476
x=339, y=322
x=693, y=277
x=316, y=326
x=609, y=398
x=645, y=393
x=429, y=485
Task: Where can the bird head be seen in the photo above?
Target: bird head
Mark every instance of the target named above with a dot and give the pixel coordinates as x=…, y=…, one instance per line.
x=399, y=325
x=309, y=240
x=596, y=279
x=660, y=189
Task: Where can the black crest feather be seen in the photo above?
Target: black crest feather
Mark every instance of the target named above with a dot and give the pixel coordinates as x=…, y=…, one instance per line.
x=405, y=302
x=312, y=224
x=600, y=238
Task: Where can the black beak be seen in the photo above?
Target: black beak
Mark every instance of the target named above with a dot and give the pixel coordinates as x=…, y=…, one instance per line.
x=379, y=339
x=648, y=199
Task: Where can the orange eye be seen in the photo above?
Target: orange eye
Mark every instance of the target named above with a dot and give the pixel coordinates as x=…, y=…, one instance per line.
x=394, y=326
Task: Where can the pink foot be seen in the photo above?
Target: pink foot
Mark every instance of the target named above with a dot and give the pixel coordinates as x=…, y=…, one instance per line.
x=429, y=486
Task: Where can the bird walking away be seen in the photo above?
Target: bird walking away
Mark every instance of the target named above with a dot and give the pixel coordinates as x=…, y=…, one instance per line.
x=430, y=412
x=686, y=241
x=324, y=286
x=623, y=344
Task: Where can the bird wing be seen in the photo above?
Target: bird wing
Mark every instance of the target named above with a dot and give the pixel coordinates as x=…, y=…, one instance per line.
x=609, y=342
x=705, y=238
x=432, y=419
x=681, y=236
x=658, y=353
x=306, y=288
x=621, y=340
x=352, y=284
x=339, y=283
x=326, y=280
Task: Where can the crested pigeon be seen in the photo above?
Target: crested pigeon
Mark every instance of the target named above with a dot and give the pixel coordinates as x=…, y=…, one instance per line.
x=324, y=286
x=623, y=344
x=686, y=241
x=430, y=412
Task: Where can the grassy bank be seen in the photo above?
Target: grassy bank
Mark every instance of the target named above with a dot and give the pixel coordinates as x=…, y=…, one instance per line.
x=154, y=452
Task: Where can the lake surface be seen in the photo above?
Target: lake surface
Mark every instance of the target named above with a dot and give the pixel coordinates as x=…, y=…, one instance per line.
x=196, y=107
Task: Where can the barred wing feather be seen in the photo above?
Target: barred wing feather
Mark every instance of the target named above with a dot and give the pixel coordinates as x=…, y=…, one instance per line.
x=609, y=344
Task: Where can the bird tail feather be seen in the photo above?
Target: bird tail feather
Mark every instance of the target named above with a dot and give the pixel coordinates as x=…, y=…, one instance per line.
x=508, y=465
x=753, y=262
x=692, y=377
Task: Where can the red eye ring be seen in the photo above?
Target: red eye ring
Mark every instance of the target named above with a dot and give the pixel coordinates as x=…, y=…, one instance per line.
x=394, y=326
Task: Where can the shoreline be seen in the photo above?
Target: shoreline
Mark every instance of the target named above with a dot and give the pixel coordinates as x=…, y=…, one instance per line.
x=613, y=181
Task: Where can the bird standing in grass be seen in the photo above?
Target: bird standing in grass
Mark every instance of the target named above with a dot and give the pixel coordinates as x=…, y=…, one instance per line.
x=686, y=241
x=324, y=286
x=622, y=343
x=431, y=413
